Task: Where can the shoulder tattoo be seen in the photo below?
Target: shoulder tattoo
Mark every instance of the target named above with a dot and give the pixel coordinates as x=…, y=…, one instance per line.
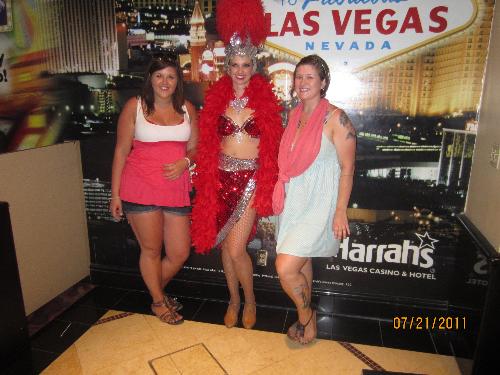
x=347, y=124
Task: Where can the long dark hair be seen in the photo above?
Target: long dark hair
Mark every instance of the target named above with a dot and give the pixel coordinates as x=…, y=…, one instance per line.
x=321, y=67
x=158, y=63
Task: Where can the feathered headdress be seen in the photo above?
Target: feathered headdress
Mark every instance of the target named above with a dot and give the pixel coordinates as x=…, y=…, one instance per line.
x=241, y=24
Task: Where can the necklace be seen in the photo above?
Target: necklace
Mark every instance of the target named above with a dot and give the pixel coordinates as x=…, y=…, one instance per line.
x=239, y=104
x=301, y=123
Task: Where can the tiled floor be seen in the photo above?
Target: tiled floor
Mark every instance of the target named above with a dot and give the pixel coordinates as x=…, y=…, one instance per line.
x=74, y=337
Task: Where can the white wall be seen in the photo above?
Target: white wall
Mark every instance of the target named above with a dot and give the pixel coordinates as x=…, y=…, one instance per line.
x=483, y=200
x=44, y=189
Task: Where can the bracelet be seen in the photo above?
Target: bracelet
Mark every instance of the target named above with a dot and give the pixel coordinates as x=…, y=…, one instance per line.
x=188, y=160
x=114, y=198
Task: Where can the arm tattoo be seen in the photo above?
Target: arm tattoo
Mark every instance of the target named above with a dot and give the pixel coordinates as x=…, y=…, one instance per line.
x=346, y=123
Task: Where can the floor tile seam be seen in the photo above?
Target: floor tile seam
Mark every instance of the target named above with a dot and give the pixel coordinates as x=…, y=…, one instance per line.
x=361, y=356
x=120, y=299
x=433, y=343
x=286, y=358
x=100, y=365
x=77, y=357
x=227, y=301
x=50, y=351
x=156, y=333
x=117, y=287
x=179, y=350
x=198, y=309
x=186, y=348
x=391, y=330
x=380, y=334
x=89, y=303
x=410, y=346
x=67, y=323
x=156, y=373
x=47, y=351
x=215, y=359
x=263, y=368
x=350, y=338
x=111, y=318
x=450, y=344
x=78, y=321
x=408, y=349
x=282, y=359
x=148, y=342
x=87, y=327
x=73, y=322
x=361, y=317
x=406, y=303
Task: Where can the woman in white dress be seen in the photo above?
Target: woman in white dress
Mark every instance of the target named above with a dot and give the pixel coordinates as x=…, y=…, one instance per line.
x=316, y=162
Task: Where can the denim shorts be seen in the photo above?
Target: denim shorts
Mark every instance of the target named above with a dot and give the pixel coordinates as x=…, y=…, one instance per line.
x=136, y=208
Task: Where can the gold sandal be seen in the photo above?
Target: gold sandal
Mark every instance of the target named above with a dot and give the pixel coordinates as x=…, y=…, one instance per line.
x=170, y=316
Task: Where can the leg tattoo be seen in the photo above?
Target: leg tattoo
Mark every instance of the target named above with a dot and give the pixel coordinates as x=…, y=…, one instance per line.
x=302, y=291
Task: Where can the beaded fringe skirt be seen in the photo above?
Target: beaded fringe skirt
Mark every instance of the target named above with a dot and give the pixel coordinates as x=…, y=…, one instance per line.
x=236, y=186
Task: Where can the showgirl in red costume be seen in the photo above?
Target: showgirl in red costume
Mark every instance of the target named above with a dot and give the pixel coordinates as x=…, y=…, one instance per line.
x=240, y=130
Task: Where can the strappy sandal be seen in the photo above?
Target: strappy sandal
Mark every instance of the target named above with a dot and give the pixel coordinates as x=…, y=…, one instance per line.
x=172, y=303
x=299, y=329
x=249, y=318
x=169, y=316
x=231, y=317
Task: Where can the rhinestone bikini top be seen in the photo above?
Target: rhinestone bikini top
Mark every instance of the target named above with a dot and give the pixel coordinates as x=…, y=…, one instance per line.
x=228, y=127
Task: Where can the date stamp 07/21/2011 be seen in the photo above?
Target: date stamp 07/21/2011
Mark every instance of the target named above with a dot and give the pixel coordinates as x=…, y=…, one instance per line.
x=440, y=323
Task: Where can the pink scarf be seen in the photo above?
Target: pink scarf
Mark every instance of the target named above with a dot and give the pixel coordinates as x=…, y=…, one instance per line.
x=294, y=162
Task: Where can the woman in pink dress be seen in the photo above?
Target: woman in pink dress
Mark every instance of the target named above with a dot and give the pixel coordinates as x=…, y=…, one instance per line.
x=156, y=143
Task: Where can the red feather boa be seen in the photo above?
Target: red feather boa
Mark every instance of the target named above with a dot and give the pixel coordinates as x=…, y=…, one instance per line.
x=267, y=116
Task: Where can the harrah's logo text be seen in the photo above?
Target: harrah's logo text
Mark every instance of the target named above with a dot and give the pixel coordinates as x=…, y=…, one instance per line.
x=420, y=256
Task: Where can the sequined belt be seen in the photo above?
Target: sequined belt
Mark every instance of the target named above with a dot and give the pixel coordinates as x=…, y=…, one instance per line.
x=231, y=164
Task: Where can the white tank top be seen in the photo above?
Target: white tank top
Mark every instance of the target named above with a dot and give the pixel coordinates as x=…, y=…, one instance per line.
x=146, y=131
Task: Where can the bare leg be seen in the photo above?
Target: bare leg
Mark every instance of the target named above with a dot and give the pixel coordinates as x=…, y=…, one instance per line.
x=238, y=264
x=295, y=275
x=148, y=229
x=177, y=241
x=177, y=245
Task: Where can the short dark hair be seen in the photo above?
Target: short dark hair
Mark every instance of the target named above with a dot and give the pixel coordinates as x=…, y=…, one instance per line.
x=321, y=67
x=159, y=62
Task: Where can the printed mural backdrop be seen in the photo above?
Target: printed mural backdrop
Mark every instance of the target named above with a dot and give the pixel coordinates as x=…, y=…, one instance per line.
x=408, y=72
